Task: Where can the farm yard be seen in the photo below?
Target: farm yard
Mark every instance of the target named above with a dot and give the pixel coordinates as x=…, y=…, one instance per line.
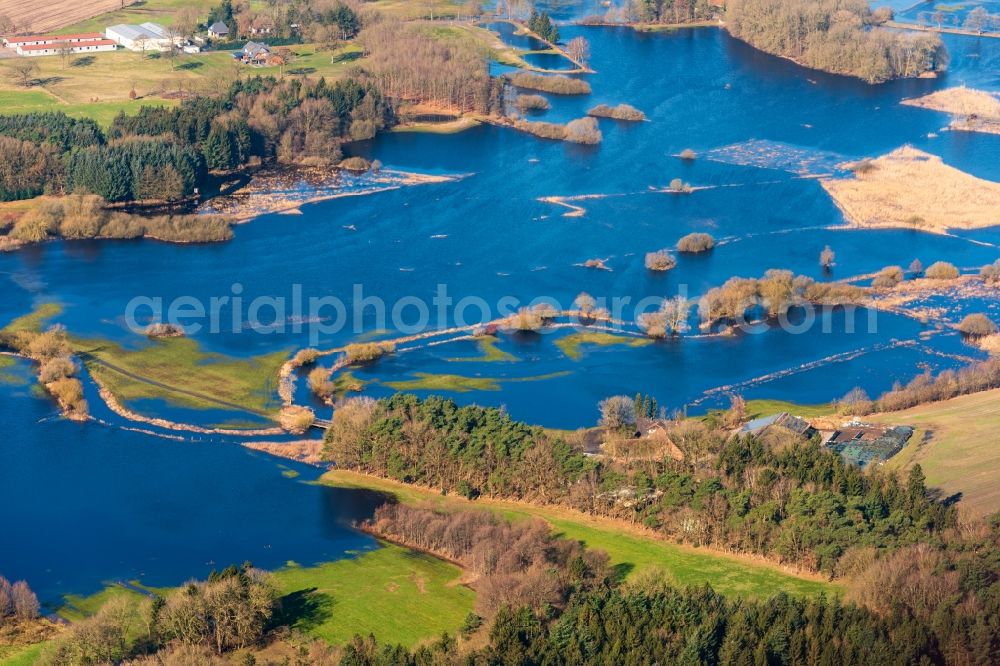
x=99, y=85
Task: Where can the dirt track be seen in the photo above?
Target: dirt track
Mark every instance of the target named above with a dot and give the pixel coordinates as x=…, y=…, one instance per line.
x=41, y=16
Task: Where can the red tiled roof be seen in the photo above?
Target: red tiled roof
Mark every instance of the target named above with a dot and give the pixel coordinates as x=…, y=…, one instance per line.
x=55, y=38
x=96, y=42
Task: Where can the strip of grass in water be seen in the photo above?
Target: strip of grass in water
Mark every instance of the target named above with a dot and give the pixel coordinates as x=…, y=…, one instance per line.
x=397, y=594
x=426, y=381
x=571, y=344
x=34, y=321
x=179, y=364
x=490, y=352
x=347, y=382
x=630, y=551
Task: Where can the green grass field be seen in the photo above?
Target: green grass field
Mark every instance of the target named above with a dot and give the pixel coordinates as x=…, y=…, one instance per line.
x=163, y=12
x=631, y=550
x=409, y=10
x=399, y=595
x=179, y=363
x=21, y=656
x=956, y=445
x=758, y=408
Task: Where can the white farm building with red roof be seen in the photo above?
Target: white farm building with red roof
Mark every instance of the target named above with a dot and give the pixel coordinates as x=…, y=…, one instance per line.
x=41, y=45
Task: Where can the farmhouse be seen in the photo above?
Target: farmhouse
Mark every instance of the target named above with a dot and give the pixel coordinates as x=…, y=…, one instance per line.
x=40, y=45
x=864, y=443
x=254, y=53
x=218, y=30
x=148, y=36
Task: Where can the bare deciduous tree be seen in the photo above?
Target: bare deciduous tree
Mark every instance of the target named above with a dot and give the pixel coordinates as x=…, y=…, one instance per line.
x=578, y=49
x=617, y=412
x=24, y=71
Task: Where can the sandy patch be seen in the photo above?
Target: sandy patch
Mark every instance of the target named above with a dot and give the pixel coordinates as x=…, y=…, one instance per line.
x=971, y=110
x=911, y=189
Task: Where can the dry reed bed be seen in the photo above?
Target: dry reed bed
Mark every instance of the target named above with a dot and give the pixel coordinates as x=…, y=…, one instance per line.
x=971, y=110
x=911, y=189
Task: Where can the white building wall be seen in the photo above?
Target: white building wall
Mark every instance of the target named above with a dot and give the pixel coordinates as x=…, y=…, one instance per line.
x=80, y=47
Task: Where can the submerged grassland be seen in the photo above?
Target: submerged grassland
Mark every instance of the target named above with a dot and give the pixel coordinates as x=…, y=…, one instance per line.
x=573, y=344
x=178, y=371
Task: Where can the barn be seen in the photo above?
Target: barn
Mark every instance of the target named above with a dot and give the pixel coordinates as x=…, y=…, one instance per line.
x=145, y=37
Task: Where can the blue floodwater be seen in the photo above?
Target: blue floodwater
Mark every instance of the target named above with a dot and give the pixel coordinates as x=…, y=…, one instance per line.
x=91, y=503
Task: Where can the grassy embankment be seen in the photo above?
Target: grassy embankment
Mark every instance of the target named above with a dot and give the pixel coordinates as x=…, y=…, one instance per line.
x=98, y=85
x=632, y=549
x=955, y=445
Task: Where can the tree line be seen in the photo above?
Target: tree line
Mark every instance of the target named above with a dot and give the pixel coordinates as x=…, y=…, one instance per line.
x=923, y=604
x=801, y=504
x=838, y=36
x=164, y=154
